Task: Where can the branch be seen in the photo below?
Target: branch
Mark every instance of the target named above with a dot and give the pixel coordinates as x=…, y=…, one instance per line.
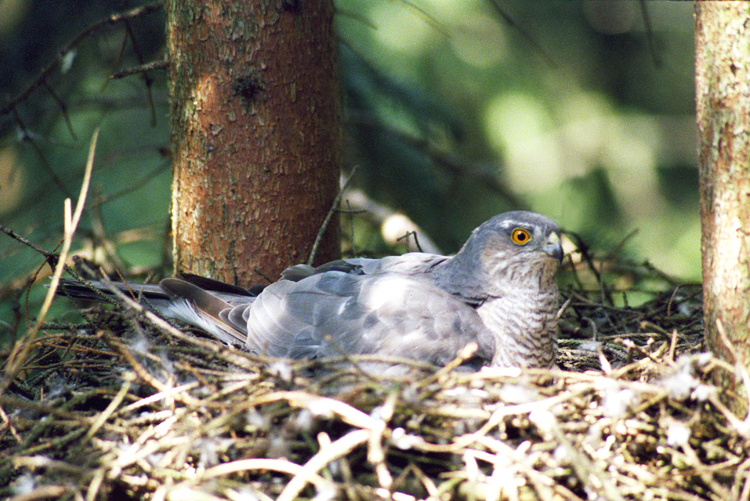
x=27, y=136
x=71, y=219
x=327, y=220
x=28, y=243
x=448, y=162
x=524, y=34
x=143, y=68
x=53, y=65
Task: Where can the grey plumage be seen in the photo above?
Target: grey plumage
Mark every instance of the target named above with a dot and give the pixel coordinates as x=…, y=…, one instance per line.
x=498, y=291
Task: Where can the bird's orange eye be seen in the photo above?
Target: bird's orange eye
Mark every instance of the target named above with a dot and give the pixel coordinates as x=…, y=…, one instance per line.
x=520, y=236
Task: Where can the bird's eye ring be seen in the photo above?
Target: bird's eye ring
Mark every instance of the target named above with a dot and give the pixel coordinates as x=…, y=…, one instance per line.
x=520, y=236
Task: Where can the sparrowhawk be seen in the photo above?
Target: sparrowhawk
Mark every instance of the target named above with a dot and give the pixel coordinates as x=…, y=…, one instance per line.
x=499, y=291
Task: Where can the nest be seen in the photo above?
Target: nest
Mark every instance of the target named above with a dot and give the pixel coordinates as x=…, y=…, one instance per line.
x=127, y=406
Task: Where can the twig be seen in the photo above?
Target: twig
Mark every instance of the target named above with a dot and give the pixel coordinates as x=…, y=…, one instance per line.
x=427, y=17
x=327, y=220
x=583, y=248
x=524, y=34
x=406, y=237
x=42, y=492
x=495, y=419
x=147, y=79
x=161, y=395
x=28, y=243
x=462, y=356
x=27, y=136
x=280, y=465
x=136, y=185
x=650, y=35
x=52, y=66
x=106, y=413
x=233, y=356
x=319, y=405
x=448, y=162
x=351, y=228
x=150, y=379
x=337, y=449
x=143, y=68
x=63, y=108
x=617, y=248
x=23, y=346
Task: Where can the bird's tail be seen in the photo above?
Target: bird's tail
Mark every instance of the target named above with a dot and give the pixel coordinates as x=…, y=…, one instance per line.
x=151, y=295
x=213, y=306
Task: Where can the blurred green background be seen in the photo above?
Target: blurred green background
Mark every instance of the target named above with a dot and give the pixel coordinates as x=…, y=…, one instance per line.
x=455, y=110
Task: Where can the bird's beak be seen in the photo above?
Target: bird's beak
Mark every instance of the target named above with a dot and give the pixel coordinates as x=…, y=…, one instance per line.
x=553, y=246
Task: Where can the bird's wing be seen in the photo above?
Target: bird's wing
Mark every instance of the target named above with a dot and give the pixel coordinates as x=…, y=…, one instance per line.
x=336, y=312
x=408, y=264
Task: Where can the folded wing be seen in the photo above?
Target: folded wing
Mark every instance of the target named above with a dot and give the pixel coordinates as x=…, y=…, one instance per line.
x=337, y=312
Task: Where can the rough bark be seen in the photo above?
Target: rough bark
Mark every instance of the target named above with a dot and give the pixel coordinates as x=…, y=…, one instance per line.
x=255, y=134
x=723, y=113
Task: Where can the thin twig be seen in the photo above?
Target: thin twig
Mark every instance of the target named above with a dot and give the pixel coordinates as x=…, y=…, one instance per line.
x=27, y=136
x=53, y=65
x=63, y=109
x=23, y=346
x=334, y=208
x=650, y=35
x=450, y=163
x=143, y=68
x=524, y=34
x=28, y=243
x=280, y=465
x=337, y=449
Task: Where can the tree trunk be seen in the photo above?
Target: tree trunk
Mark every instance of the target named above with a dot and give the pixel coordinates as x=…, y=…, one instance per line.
x=255, y=135
x=723, y=112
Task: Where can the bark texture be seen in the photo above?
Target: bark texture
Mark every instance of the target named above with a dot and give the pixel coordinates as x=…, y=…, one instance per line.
x=723, y=113
x=255, y=134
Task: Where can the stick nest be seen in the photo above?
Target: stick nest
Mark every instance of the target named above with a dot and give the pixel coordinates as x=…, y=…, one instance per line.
x=125, y=408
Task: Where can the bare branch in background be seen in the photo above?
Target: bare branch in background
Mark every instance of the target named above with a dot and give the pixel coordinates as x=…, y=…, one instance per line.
x=54, y=64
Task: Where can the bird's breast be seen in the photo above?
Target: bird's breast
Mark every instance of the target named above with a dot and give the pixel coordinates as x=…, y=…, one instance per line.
x=524, y=323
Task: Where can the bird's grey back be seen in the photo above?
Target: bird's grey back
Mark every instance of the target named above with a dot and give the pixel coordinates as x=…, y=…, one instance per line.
x=389, y=307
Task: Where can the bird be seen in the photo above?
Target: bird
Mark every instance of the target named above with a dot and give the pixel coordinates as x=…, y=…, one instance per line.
x=499, y=291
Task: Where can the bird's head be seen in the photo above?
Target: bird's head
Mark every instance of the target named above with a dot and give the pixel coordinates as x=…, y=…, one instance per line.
x=520, y=233
x=519, y=248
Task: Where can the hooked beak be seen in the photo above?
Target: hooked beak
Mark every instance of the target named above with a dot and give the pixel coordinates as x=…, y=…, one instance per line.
x=553, y=246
